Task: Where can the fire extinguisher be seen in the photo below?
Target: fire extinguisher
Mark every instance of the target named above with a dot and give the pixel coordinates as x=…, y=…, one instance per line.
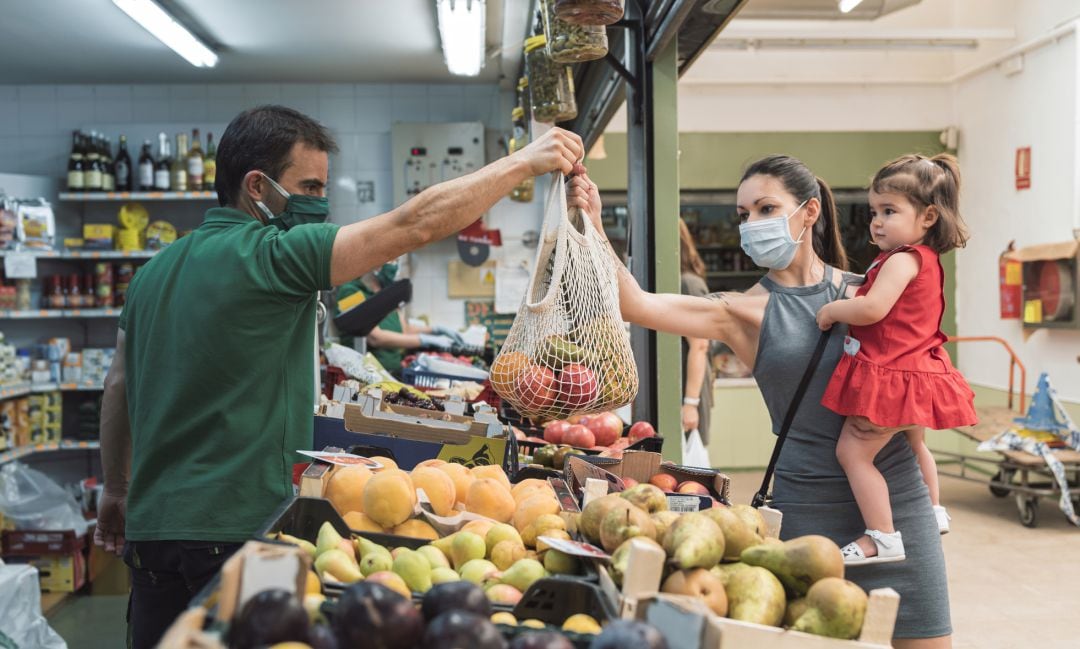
x=1010, y=281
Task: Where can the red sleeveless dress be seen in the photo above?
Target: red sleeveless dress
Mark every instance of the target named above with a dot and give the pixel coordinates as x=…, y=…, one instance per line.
x=898, y=373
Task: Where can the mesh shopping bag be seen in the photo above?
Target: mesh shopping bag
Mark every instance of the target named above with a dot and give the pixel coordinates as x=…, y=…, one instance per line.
x=567, y=352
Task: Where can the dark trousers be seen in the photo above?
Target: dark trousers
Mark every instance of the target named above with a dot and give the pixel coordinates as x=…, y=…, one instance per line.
x=165, y=576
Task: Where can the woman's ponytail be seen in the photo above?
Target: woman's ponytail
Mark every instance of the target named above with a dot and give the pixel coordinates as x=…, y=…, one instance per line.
x=828, y=243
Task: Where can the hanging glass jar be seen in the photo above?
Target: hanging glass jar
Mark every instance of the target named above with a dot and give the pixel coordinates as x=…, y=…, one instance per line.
x=589, y=12
x=551, y=85
x=523, y=98
x=523, y=192
x=569, y=43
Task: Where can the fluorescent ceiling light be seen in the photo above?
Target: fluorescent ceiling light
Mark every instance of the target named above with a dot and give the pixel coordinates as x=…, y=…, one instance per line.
x=847, y=5
x=166, y=29
x=461, y=29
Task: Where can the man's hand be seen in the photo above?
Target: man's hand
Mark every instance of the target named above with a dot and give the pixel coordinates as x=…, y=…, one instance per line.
x=112, y=514
x=556, y=150
x=442, y=330
x=582, y=193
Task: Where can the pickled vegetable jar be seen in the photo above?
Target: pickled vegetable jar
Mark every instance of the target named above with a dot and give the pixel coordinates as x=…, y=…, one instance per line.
x=570, y=43
x=551, y=85
x=523, y=191
x=523, y=97
x=589, y=12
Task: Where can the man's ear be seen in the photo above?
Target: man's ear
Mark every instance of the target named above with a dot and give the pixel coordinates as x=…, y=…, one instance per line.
x=253, y=185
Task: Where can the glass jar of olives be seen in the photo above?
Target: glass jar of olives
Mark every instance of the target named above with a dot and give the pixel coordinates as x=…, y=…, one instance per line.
x=523, y=192
x=570, y=43
x=551, y=85
x=589, y=12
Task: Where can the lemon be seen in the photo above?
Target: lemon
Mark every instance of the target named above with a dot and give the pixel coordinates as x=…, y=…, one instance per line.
x=581, y=623
x=534, y=624
x=503, y=617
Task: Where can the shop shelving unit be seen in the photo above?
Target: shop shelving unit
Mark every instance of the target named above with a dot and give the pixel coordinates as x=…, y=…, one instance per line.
x=62, y=445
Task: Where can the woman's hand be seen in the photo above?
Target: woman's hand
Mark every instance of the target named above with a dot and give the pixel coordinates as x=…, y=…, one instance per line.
x=826, y=317
x=689, y=417
x=582, y=193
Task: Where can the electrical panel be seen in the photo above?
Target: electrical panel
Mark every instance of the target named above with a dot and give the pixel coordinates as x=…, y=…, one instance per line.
x=428, y=154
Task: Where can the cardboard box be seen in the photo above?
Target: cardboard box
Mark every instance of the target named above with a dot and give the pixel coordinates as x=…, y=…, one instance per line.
x=98, y=236
x=59, y=573
x=641, y=466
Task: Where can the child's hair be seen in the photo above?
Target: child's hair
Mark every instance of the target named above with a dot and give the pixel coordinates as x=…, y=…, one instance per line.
x=928, y=182
x=804, y=185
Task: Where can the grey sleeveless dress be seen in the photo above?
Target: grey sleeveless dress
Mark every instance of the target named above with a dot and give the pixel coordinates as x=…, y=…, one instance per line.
x=810, y=487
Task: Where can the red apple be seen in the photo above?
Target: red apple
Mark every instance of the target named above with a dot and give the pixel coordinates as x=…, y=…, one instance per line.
x=554, y=432
x=690, y=487
x=579, y=436
x=607, y=427
x=535, y=388
x=665, y=482
x=577, y=385
x=629, y=482
x=640, y=430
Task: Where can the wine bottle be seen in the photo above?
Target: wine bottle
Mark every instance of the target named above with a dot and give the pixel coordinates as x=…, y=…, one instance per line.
x=93, y=173
x=108, y=169
x=146, y=168
x=76, y=180
x=210, y=163
x=195, y=165
x=178, y=176
x=123, y=167
x=161, y=166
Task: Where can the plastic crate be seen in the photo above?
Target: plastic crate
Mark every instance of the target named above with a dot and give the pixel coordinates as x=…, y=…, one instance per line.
x=32, y=543
x=554, y=599
x=302, y=517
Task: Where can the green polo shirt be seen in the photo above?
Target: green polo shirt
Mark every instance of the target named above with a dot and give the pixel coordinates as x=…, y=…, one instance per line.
x=220, y=334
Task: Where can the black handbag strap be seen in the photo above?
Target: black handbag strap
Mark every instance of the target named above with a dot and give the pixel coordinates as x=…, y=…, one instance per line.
x=762, y=496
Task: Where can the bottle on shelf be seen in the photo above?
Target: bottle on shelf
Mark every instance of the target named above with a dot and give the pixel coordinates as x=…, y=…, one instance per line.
x=161, y=166
x=123, y=167
x=74, y=291
x=195, y=165
x=93, y=174
x=76, y=179
x=108, y=170
x=178, y=176
x=146, y=168
x=103, y=280
x=210, y=163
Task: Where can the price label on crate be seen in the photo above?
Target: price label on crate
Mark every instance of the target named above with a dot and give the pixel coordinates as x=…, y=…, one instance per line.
x=576, y=548
x=562, y=492
x=342, y=459
x=687, y=503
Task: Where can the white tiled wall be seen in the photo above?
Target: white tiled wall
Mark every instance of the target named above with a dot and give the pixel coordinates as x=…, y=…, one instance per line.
x=36, y=124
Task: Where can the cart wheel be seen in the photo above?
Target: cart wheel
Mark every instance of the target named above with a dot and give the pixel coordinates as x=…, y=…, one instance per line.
x=1029, y=510
x=1001, y=476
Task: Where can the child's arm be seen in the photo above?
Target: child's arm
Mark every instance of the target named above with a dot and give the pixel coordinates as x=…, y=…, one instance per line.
x=895, y=275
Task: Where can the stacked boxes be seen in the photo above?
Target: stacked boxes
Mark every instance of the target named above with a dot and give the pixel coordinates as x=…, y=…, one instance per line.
x=14, y=423
x=46, y=410
x=96, y=364
x=11, y=371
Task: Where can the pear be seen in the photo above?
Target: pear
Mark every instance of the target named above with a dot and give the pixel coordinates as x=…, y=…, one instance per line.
x=795, y=609
x=542, y=546
x=798, y=563
x=502, y=532
x=306, y=546
x=663, y=521
x=725, y=570
x=646, y=496
x=477, y=570
x=835, y=608
x=506, y=554
x=621, y=524
x=338, y=566
x=560, y=563
x=522, y=574
x=466, y=547
x=434, y=556
x=694, y=541
x=737, y=534
x=443, y=544
x=752, y=517
x=756, y=595
x=593, y=515
x=328, y=539
x=377, y=561
x=414, y=569
x=313, y=605
x=540, y=527
x=443, y=575
x=366, y=546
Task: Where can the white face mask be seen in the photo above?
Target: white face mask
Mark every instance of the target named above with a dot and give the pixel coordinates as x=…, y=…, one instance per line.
x=769, y=242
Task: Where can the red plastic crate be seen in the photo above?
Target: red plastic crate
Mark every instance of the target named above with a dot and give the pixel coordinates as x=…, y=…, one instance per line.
x=32, y=543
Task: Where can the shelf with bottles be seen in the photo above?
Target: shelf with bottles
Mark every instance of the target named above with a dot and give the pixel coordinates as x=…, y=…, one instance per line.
x=83, y=254
x=51, y=314
x=83, y=386
x=94, y=175
x=62, y=445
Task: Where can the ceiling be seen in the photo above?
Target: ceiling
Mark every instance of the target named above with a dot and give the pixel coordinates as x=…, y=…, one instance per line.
x=329, y=41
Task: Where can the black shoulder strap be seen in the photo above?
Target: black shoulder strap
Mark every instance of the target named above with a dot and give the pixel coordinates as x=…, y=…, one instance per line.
x=762, y=496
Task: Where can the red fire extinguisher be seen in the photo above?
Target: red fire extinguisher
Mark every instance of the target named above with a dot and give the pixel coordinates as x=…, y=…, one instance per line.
x=1010, y=281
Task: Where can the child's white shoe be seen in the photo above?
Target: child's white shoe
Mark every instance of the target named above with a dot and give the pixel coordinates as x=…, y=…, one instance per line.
x=943, y=519
x=890, y=548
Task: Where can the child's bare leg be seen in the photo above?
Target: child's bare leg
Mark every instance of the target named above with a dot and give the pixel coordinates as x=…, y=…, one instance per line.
x=917, y=439
x=860, y=442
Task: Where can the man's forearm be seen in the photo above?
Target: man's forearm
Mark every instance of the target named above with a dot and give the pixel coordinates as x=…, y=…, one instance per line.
x=115, y=436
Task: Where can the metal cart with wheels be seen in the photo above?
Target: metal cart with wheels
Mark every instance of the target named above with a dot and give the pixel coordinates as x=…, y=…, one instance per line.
x=1017, y=473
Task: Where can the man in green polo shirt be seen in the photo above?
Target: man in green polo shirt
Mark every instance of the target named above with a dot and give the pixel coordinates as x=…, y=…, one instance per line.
x=212, y=388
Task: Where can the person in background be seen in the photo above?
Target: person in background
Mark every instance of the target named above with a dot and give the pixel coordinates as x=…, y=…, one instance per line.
x=697, y=374
x=389, y=341
x=211, y=391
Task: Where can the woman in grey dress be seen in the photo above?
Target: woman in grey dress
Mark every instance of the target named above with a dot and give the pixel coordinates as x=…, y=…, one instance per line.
x=790, y=227
x=697, y=374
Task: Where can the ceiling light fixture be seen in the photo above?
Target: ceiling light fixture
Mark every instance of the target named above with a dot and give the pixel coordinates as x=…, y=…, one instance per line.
x=847, y=5
x=461, y=30
x=169, y=31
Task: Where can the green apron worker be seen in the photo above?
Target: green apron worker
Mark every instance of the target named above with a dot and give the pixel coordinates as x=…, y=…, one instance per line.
x=211, y=391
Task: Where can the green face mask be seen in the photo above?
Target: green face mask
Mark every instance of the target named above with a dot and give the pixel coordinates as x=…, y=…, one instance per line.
x=299, y=209
x=387, y=274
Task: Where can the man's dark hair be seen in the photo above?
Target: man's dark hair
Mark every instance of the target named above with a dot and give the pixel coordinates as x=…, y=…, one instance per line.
x=262, y=138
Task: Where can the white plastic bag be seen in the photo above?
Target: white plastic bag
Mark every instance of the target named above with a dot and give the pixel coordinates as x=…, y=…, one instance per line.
x=21, y=621
x=694, y=452
x=32, y=501
x=568, y=351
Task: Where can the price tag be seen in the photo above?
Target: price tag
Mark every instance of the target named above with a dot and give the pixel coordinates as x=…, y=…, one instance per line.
x=687, y=504
x=576, y=548
x=20, y=265
x=342, y=459
x=562, y=492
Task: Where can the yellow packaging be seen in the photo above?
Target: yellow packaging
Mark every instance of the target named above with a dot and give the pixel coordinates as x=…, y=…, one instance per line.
x=73, y=243
x=61, y=573
x=349, y=302
x=98, y=231
x=128, y=239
